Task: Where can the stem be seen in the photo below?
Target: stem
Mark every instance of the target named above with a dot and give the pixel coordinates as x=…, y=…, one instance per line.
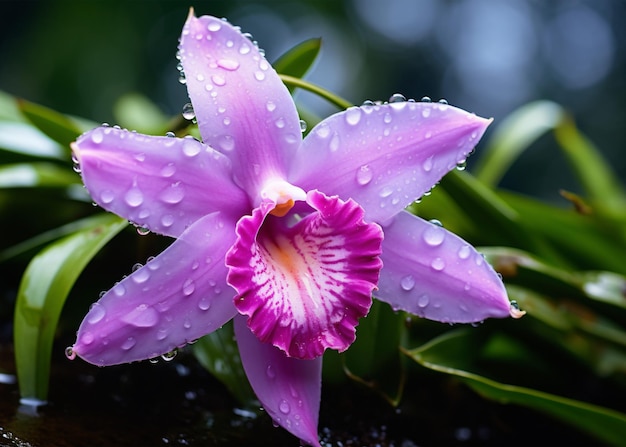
x=330, y=97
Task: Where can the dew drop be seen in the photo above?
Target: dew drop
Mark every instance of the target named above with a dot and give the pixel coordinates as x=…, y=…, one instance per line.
x=218, y=80
x=69, y=353
x=284, y=407
x=228, y=64
x=191, y=147
x=167, y=220
x=134, y=197
x=244, y=49
x=174, y=194
x=438, y=264
x=322, y=131
x=353, y=115
x=259, y=75
x=461, y=166
x=214, y=26
x=280, y=123
x=169, y=356
x=302, y=126
x=397, y=97
x=204, y=304
x=227, y=142
x=364, y=175
x=142, y=231
x=168, y=170
x=407, y=283
x=187, y=323
x=189, y=287
x=464, y=252
x=426, y=99
x=188, y=112
x=387, y=118
x=433, y=235
x=428, y=164
x=96, y=313
x=141, y=316
x=162, y=334
x=107, y=196
x=270, y=106
x=423, y=301
x=386, y=191
x=443, y=101
x=128, y=343
x=87, y=338
x=119, y=289
x=97, y=136
x=426, y=112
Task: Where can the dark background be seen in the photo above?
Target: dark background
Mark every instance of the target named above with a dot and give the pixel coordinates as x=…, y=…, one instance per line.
x=485, y=56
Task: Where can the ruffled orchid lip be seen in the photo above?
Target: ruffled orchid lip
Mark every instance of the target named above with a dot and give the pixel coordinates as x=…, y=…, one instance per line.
x=304, y=287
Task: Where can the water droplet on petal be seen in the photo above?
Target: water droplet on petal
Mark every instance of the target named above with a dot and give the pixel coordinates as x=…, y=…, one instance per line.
x=87, y=338
x=134, y=197
x=407, y=283
x=302, y=126
x=386, y=191
x=187, y=323
x=189, y=287
x=323, y=130
x=227, y=143
x=191, y=147
x=167, y=220
x=69, y=353
x=426, y=112
x=364, y=175
x=270, y=106
x=423, y=301
x=128, y=343
x=426, y=99
x=228, y=64
x=188, y=112
x=218, y=80
x=119, y=289
x=464, y=252
x=434, y=235
x=141, y=316
x=284, y=407
x=214, y=26
x=280, y=123
x=204, y=304
x=142, y=231
x=438, y=264
x=96, y=313
x=97, y=136
x=353, y=115
x=107, y=196
x=174, y=194
x=334, y=143
x=169, y=356
x=259, y=75
x=397, y=97
x=428, y=164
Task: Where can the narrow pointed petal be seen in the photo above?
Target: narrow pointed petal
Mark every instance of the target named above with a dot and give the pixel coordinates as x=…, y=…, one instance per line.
x=385, y=156
x=160, y=183
x=176, y=298
x=431, y=272
x=242, y=107
x=305, y=287
x=289, y=389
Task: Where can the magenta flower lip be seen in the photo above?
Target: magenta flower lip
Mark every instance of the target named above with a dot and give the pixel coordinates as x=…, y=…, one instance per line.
x=290, y=237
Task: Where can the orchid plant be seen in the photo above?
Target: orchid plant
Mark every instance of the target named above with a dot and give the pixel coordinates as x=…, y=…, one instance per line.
x=288, y=236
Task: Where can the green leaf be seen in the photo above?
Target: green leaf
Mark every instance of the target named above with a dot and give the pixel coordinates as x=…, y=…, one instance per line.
x=135, y=111
x=515, y=134
x=43, y=290
x=373, y=359
x=298, y=61
x=36, y=175
x=55, y=125
x=25, y=139
x=219, y=354
x=448, y=354
x=595, y=174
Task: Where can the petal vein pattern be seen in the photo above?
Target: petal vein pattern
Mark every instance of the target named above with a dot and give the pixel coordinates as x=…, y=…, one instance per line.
x=304, y=287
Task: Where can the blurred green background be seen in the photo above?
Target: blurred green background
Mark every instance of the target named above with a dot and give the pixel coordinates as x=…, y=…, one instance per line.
x=485, y=56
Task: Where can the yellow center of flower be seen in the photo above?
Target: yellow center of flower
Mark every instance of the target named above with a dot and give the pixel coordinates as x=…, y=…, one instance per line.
x=282, y=209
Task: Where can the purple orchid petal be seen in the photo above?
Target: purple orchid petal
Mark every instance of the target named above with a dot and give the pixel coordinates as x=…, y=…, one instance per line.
x=160, y=183
x=177, y=297
x=385, y=156
x=305, y=287
x=288, y=388
x=242, y=106
x=431, y=272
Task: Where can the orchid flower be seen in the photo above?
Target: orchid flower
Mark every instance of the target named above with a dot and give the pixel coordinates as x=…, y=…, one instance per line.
x=290, y=237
